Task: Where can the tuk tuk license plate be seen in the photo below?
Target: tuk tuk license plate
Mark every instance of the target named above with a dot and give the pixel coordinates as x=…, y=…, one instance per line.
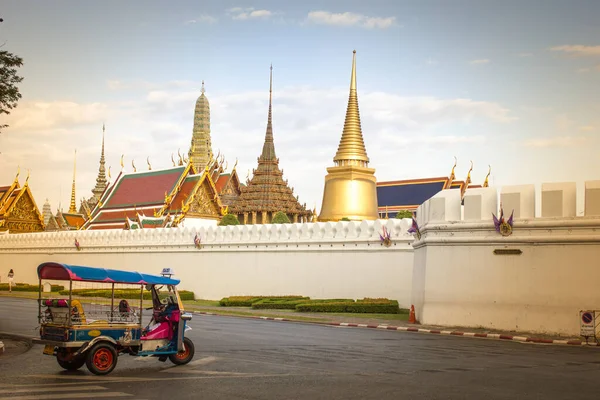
x=49, y=349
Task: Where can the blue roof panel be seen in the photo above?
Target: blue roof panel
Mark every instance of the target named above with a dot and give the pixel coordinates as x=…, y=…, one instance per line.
x=58, y=271
x=407, y=194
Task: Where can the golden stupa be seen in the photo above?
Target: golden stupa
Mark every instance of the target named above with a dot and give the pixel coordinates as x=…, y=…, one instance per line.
x=350, y=186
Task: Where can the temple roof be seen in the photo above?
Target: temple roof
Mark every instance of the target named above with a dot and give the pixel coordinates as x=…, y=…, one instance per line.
x=408, y=194
x=155, y=195
x=18, y=210
x=143, y=188
x=267, y=191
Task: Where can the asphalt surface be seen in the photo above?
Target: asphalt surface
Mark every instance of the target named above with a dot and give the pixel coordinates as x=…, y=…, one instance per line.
x=239, y=358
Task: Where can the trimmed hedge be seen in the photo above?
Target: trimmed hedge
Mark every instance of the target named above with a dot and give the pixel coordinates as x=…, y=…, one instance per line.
x=247, y=301
x=278, y=304
x=361, y=306
x=122, y=293
x=305, y=304
x=25, y=287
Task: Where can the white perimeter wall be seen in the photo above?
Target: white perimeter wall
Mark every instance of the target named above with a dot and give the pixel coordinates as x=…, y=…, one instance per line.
x=459, y=281
x=323, y=260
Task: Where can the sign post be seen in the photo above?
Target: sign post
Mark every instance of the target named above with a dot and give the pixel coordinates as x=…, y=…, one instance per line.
x=589, y=321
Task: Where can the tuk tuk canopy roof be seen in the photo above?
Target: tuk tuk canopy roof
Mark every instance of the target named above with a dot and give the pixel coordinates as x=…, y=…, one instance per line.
x=65, y=272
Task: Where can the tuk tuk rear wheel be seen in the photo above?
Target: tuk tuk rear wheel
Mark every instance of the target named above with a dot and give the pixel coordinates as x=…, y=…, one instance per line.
x=72, y=365
x=101, y=359
x=185, y=356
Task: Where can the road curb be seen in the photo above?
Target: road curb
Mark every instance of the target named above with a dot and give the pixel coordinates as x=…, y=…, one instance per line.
x=490, y=336
x=16, y=336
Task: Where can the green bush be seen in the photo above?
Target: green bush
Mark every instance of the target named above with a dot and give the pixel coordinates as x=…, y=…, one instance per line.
x=280, y=218
x=278, y=304
x=404, y=214
x=229, y=219
x=247, y=301
x=361, y=306
x=25, y=287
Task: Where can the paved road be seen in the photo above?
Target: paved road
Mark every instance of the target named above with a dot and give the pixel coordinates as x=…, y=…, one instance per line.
x=240, y=358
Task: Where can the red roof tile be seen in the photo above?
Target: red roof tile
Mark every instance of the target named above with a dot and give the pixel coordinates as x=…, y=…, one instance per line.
x=74, y=220
x=221, y=182
x=146, y=188
x=184, y=192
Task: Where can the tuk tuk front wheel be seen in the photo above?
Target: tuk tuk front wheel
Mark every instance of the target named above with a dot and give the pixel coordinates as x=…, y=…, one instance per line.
x=101, y=359
x=185, y=356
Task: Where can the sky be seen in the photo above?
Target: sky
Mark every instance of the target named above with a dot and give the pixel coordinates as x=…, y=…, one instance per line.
x=512, y=85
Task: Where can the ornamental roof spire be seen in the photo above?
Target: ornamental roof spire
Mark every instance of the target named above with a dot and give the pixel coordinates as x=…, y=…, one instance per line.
x=101, y=179
x=268, y=152
x=351, y=150
x=72, y=205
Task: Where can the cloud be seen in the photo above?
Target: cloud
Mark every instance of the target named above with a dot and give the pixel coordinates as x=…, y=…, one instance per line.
x=239, y=13
x=156, y=121
x=479, y=62
x=561, y=141
x=207, y=19
x=578, y=50
x=525, y=54
x=350, y=19
x=587, y=128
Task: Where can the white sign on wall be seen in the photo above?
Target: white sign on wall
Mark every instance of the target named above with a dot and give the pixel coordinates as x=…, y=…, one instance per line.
x=587, y=320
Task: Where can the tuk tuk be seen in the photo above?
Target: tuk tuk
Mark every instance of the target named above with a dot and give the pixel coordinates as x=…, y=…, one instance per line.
x=93, y=323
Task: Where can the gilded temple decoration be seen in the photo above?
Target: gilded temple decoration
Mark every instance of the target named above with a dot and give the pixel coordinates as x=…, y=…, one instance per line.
x=18, y=210
x=350, y=185
x=267, y=193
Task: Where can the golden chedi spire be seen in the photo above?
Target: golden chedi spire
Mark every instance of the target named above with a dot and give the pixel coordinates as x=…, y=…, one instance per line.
x=351, y=150
x=350, y=186
x=72, y=205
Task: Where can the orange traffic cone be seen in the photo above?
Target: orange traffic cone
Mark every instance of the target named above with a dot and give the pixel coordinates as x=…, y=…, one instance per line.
x=411, y=318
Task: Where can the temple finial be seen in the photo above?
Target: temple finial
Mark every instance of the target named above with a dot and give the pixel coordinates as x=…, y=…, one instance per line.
x=133, y=165
x=72, y=205
x=351, y=150
x=452, y=174
x=148, y=161
x=122, y=164
x=486, y=183
x=353, y=77
x=202, y=91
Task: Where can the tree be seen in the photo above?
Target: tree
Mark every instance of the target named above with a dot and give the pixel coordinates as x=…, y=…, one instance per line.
x=404, y=214
x=9, y=92
x=280, y=218
x=229, y=219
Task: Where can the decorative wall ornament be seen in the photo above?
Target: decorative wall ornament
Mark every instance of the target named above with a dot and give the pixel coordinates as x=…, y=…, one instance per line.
x=197, y=242
x=415, y=229
x=386, y=237
x=77, y=246
x=505, y=228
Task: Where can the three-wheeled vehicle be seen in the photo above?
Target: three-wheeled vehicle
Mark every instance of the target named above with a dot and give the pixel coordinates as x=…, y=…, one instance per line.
x=97, y=330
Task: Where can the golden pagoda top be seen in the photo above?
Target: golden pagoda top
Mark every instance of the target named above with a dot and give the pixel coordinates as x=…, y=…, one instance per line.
x=72, y=205
x=351, y=150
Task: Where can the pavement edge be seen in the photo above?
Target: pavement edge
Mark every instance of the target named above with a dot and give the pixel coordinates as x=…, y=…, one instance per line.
x=492, y=336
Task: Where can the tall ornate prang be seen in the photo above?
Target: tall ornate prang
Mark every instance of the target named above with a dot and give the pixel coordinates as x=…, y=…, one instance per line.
x=72, y=205
x=200, y=153
x=350, y=185
x=267, y=192
x=101, y=179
